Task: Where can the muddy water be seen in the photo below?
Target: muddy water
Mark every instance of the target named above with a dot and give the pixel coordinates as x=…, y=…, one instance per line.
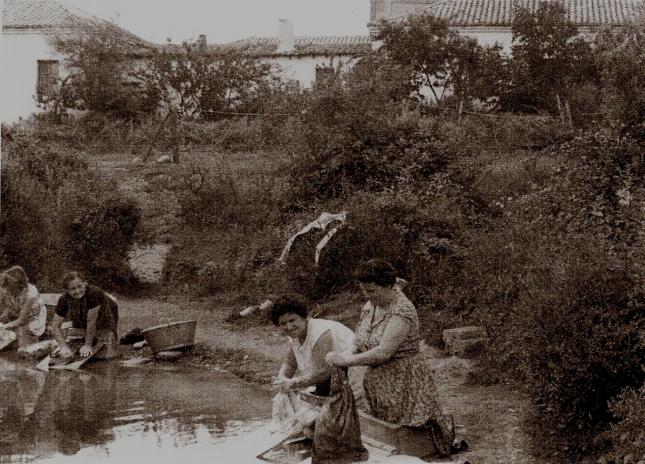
x=111, y=413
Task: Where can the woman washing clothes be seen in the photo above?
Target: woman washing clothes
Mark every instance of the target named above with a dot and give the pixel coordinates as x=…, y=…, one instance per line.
x=309, y=340
x=398, y=382
x=21, y=308
x=93, y=313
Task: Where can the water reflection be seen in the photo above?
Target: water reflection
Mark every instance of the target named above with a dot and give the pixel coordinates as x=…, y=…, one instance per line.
x=95, y=413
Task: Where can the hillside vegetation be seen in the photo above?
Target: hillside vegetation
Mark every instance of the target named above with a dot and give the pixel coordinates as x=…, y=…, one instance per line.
x=513, y=201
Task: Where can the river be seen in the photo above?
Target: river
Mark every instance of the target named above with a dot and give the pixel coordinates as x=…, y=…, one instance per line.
x=157, y=412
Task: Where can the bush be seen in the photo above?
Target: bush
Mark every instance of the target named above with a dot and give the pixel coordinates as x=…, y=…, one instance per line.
x=102, y=231
x=57, y=212
x=555, y=277
x=627, y=436
x=101, y=76
x=621, y=58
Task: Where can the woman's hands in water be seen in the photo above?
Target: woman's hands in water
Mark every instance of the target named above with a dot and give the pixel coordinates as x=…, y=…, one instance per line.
x=65, y=352
x=85, y=351
x=283, y=384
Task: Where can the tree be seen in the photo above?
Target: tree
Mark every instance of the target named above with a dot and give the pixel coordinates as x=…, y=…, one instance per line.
x=441, y=59
x=200, y=82
x=549, y=59
x=621, y=59
x=99, y=59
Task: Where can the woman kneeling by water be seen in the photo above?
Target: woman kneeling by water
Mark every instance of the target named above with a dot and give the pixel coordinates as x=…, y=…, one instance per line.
x=93, y=313
x=21, y=308
x=309, y=340
x=398, y=383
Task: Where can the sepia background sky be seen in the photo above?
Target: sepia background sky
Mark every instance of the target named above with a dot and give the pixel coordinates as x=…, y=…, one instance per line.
x=229, y=20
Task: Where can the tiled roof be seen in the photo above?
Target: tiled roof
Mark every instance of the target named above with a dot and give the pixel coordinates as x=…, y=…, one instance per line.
x=47, y=15
x=500, y=12
x=40, y=14
x=322, y=45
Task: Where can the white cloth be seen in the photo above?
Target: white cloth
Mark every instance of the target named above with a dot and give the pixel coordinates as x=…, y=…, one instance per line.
x=291, y=414
x=321, y=223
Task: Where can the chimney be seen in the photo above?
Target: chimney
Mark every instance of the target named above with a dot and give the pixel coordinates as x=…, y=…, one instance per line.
x=286, y=41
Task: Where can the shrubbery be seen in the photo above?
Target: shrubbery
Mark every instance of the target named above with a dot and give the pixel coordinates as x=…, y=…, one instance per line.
x=57, y=212
x=525, y=225
x=101, y=76
x=627, y=436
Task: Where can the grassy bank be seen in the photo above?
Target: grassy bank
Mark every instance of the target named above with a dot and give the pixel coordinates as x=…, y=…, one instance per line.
x=519, y=224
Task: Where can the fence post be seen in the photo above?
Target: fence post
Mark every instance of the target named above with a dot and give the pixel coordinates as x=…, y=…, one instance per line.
x=557, y=97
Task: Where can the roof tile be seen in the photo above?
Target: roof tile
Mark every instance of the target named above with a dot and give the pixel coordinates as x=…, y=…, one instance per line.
x=40, y=14
x=500, y=12
x=321, y=45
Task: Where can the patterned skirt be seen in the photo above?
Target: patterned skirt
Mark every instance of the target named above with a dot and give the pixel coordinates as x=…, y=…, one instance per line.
x=402, y=392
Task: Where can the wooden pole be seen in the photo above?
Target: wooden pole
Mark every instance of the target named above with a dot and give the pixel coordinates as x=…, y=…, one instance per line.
x=568, y=110
x=557, y=97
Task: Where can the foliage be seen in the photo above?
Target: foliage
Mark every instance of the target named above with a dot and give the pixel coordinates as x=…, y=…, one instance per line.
x=57, y=212
x=556, y=280
x=100, y=59
x=549, y=59
x=442, y=59
x=211, y=198
x=626, y=435
x=621, y=59
x=101, y=234
x=346, y=132
x=201, y=82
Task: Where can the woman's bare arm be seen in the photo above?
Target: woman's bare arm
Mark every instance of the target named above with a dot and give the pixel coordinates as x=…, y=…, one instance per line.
x=395, y=334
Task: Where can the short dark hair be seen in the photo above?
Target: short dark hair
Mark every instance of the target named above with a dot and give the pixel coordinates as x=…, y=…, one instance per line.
x=288, y=304
x=69, y=276
x=377, y=271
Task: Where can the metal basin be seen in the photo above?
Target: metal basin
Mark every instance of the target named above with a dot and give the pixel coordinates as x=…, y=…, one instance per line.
x=171, y=336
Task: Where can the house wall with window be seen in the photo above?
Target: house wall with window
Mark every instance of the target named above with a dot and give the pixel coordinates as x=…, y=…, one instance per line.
x=300, y=58
x=490, y=21
x=307, y=69
x=26, y=59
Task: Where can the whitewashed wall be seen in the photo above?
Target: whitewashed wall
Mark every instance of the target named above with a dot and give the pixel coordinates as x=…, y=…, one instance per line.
x=490, y=36
x=19, y=55
x=303, y=68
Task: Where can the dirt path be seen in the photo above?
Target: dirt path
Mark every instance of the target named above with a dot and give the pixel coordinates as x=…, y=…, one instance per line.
x=489, y=417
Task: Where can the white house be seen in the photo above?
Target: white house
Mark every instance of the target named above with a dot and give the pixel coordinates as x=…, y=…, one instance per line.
x=489, y=21
x=30, y=68
x=305, y=59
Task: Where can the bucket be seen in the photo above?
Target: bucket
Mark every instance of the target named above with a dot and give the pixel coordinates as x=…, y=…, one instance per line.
x=171, y=336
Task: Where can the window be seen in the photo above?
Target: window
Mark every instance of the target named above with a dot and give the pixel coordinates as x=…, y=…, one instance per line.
x=47, y=84
x=324, y=74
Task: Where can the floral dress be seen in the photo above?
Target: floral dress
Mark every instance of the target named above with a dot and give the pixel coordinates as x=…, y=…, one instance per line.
x=401, y=390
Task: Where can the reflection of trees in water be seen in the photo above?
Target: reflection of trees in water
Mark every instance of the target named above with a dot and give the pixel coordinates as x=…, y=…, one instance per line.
x=62, y=412
x=19, y=391
x=11, y=416
x=71, y=411
x=179, y=426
